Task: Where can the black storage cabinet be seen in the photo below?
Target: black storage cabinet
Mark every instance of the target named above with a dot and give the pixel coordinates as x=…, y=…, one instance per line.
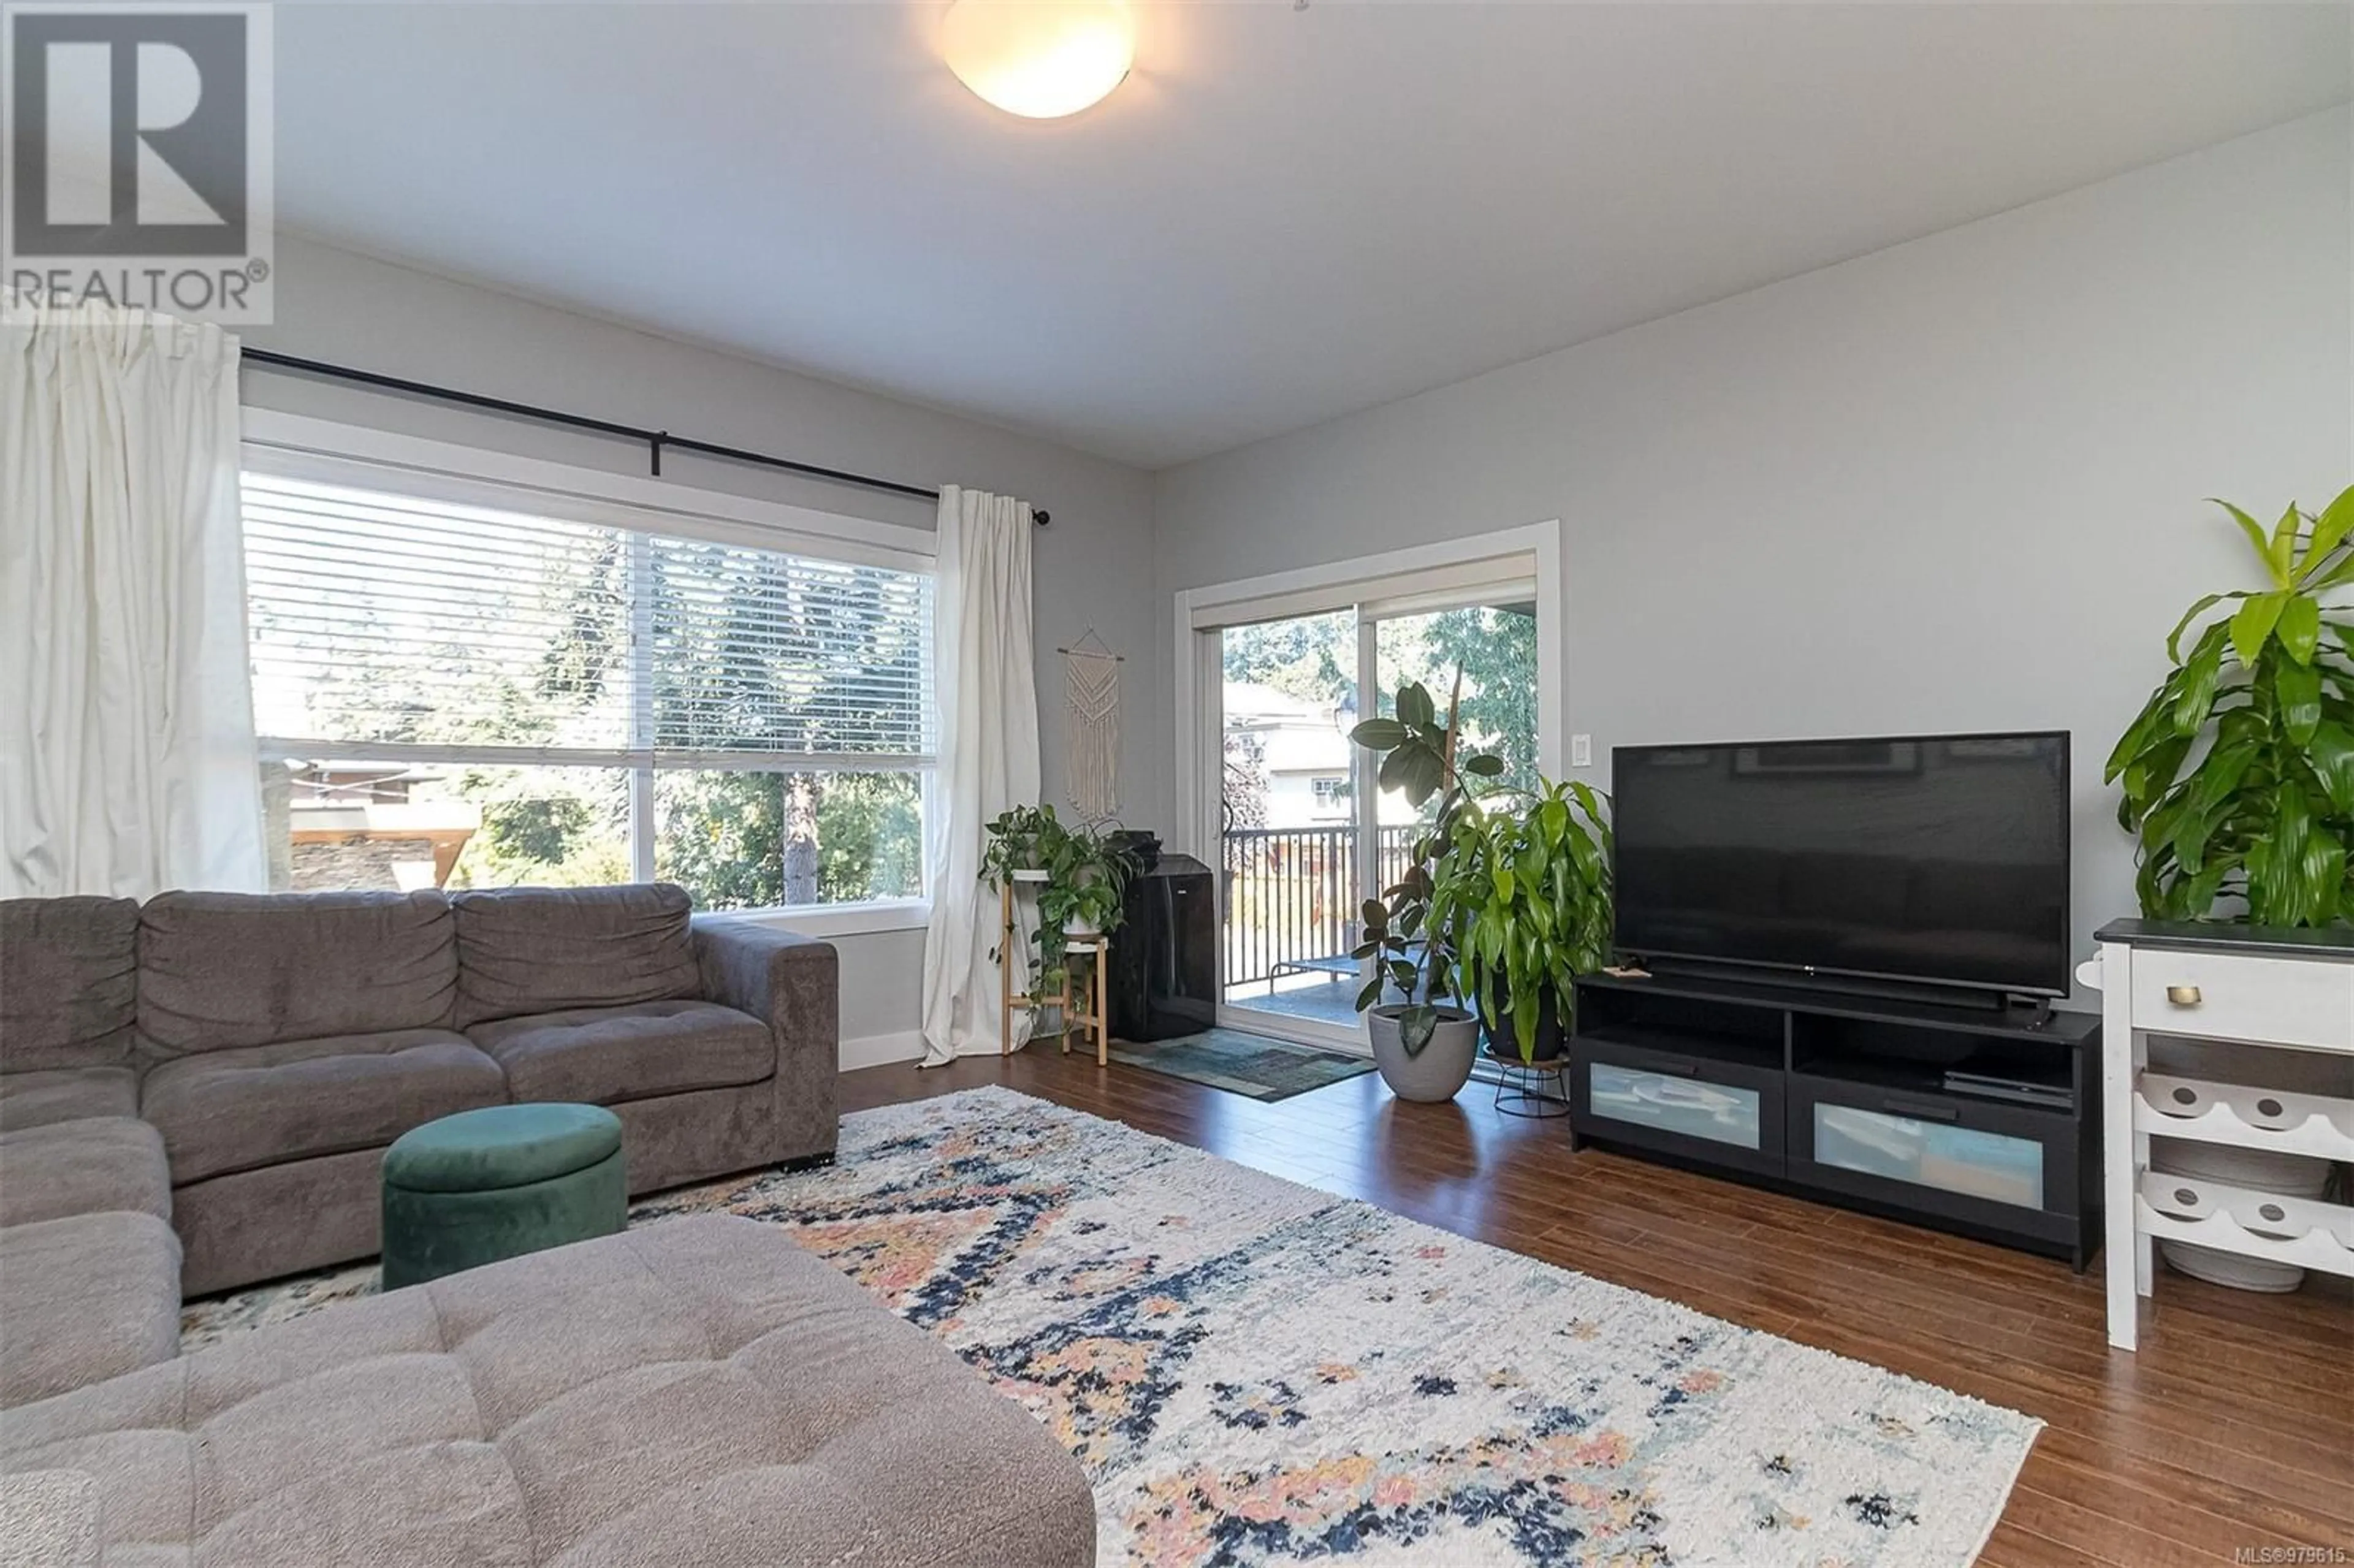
x=1164, y=958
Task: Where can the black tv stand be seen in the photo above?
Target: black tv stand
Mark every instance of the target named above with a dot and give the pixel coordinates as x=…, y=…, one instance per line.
x=1842, y=1096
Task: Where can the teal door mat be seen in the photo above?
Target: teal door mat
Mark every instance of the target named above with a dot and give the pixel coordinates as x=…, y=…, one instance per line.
x=1242, y=1064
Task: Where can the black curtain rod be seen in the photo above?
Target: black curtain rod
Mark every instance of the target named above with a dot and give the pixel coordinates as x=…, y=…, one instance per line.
x=655, y=440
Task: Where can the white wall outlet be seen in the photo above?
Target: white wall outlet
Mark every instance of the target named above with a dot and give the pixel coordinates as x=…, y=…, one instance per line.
x=1581, y=751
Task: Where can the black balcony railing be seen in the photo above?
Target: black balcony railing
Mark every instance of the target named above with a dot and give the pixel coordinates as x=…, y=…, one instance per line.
x=1291, y=895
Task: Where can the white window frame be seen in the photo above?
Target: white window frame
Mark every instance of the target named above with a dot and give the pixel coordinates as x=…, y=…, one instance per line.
x=1395, y=582
x=297, y=446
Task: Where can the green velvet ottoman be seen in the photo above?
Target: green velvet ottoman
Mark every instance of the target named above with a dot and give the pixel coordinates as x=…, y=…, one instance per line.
x=482, y=1185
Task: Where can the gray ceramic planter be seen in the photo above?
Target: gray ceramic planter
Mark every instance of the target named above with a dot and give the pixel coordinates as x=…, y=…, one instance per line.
x=1440, y=1069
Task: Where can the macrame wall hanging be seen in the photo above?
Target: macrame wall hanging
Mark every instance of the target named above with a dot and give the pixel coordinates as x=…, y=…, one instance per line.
x=1091, y=727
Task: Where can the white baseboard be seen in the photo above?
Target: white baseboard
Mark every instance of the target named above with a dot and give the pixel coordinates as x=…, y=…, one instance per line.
x=880, y=1050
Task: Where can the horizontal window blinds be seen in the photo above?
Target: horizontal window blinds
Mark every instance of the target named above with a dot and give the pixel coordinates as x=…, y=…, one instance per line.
x=383, y=623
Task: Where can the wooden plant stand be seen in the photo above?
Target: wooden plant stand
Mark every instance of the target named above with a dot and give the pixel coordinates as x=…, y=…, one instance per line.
x=1095, y=1019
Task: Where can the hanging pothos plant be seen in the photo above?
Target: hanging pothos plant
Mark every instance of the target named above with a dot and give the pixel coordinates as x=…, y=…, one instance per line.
x=1086, y=872
x=2239, y=771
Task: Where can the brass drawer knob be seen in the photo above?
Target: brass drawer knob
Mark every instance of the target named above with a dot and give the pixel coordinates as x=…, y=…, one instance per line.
x=2182, y=995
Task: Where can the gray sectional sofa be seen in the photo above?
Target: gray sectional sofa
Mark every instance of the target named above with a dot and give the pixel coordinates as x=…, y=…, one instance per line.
x=196, y=1094
x=200, y=1092
x=278, y=1043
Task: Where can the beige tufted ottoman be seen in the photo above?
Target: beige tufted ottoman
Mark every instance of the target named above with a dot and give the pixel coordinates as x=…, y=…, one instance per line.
x=700, y=1392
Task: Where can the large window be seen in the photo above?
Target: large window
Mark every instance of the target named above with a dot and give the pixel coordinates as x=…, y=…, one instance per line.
x=457, y=695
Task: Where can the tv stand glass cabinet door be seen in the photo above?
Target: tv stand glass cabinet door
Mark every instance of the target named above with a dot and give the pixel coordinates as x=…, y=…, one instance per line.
x=2285, y=990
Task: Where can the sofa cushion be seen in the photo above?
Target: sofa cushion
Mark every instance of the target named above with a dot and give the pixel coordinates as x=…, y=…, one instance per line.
x=67, y=1093
x=225, y=969
x=69, y=982
x=264, y=1105
x=84, y=1299
x=546, y=949
x=602, y=1055
x=699, y=1391
x=83, y=1167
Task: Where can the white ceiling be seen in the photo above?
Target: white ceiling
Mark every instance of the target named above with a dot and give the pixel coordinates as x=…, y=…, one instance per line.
x=1282, y=216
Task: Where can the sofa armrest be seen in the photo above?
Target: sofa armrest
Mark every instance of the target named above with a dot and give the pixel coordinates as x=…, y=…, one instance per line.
x=793, y=985
x=788, y=982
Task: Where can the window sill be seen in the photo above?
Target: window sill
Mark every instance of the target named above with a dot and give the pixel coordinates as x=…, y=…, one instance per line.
x=843, y=919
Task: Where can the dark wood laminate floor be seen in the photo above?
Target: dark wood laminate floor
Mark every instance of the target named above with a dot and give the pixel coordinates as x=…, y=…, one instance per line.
x=2230, y=1432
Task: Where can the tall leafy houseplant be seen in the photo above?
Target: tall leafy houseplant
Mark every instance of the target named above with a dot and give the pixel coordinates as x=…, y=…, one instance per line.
x=1086, y=875
x=1414, y=930
x=1528, y=890
x=2238, y=773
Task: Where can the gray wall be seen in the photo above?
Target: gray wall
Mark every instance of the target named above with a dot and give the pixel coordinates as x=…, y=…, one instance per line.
x=1953, y=485
x=1091, y=565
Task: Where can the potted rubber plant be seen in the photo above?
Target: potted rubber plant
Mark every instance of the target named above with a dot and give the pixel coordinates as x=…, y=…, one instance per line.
x=2238, y=773
x=1531, y=897
x=1425, y=1045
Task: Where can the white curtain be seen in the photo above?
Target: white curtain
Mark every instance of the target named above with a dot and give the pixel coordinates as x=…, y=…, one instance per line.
x=989, y=761
x=126, y=709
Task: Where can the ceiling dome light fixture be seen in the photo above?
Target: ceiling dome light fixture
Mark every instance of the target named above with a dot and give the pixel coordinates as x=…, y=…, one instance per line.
x=1039, y=58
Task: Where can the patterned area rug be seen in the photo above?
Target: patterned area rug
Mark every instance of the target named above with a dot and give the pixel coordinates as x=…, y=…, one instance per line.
x=1242, y=1064
x=1256, y=1373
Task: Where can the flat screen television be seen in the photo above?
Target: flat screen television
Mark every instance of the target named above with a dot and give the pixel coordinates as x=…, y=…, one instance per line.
x=1939, y=859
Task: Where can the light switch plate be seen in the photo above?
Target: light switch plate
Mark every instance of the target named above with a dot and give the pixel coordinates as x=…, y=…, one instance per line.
x=1581, y=751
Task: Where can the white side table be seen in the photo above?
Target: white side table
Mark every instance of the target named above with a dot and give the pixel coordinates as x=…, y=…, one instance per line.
x=2288, y=989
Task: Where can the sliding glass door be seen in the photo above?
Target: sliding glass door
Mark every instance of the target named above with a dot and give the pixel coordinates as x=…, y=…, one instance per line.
x=1304, y=834
x=1287, y=820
